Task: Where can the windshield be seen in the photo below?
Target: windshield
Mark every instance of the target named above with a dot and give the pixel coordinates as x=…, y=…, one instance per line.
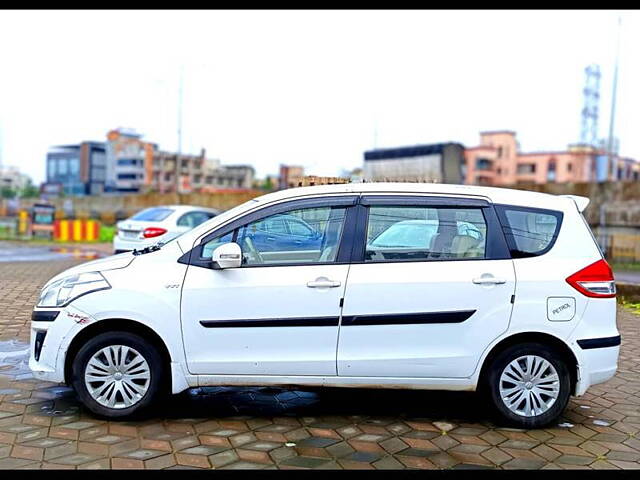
x=155, y=214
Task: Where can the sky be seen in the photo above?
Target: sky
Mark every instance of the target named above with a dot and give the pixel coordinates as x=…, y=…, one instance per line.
x=311, y=88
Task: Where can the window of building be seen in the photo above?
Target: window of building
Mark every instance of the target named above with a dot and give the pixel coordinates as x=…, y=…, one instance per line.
x=551, y=170
x=483, y=163
x=569, y=167
x=127, y=176
x=398, y=233
x=526, y=168
x=500, y=152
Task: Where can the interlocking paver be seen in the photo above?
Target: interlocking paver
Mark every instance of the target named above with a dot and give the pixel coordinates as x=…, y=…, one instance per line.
x=43, y=426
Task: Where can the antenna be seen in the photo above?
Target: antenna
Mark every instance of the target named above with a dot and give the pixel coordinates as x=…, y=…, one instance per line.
x=589, y=125
x=180, y=108
x=610, y=145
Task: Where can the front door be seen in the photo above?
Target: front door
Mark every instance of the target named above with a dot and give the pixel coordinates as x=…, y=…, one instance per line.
x=278, y=313
x=432, y=290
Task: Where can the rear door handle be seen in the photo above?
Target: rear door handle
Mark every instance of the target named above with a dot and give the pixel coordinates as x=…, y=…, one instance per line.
x=323, y=282
x=489, y=281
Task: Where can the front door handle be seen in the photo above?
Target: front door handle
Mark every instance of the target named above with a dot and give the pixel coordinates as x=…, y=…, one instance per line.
x=489, y=280
x=323, y=282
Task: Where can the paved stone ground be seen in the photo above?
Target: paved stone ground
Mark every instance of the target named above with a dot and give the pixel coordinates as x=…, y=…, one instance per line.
x=43, y=426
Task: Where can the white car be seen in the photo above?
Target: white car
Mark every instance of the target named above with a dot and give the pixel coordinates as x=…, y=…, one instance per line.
x=158, y=224
x=527, y=316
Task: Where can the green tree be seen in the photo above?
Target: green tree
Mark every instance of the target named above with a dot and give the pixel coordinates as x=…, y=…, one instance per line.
x=30, y=191
x=267, y=184
x=7, y=192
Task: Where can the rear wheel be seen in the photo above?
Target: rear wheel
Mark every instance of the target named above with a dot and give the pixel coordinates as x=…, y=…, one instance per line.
x=117, y=374
x=529, y=385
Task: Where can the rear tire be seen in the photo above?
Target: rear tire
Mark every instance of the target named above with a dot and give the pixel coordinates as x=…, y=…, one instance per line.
x=117, y=374
x=528, y=385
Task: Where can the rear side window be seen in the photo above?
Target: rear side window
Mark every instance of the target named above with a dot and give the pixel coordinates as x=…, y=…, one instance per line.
x=529, y=231
x=405, y=233
x=153, y=214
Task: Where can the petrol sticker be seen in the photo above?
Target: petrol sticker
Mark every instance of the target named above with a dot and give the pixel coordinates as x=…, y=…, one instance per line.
x=561, y=309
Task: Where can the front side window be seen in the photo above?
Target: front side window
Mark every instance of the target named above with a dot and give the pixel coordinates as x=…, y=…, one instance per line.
x=268, y=241
x=529, y=231
x=400, y=233
x=276, y=245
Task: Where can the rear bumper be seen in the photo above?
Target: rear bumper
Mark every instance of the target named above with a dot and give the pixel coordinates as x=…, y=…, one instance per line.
x=598, y=361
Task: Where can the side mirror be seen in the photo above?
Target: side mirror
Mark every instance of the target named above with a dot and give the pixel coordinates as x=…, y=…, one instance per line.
x=227, y=255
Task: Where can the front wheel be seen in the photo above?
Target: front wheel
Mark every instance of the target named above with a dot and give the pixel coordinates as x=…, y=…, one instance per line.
x=117, y=374
x=529, y=385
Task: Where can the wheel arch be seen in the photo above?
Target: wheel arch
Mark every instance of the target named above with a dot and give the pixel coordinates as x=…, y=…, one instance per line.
x=554, y=342
x=118, y=325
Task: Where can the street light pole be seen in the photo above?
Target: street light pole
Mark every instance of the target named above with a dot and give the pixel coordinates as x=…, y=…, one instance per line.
x=610, y=144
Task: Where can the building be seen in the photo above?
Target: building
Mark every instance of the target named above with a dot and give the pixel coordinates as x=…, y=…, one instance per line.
x=129, y=160
x=182, y=173
x=126, y=163
x=499, y=161
x=439, y=162
x=12, y=179
x=79, y=169
x=290, y=176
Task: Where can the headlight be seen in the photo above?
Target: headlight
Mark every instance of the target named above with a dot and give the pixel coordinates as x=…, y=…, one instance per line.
x=64, y=291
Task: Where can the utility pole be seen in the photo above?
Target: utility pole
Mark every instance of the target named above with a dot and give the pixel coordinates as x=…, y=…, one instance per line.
x=178, y=174
x=610, y=146
x=180, y=109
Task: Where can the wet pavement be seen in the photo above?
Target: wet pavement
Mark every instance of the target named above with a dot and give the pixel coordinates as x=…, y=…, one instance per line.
x=627, y=277
x=42, y=425
x=25, y=252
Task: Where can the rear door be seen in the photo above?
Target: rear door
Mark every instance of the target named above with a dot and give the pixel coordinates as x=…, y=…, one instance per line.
x=430, y=310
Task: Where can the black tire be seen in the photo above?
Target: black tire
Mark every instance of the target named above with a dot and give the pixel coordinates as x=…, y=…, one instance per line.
x=156, y=388
x=492, y=385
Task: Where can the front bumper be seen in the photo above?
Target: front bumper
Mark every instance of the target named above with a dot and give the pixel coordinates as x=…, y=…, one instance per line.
x=50, y=340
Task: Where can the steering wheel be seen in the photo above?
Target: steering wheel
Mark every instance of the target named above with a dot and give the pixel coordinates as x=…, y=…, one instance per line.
x=253, y=251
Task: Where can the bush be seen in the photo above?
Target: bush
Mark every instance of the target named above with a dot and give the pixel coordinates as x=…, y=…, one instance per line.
x=107, y=233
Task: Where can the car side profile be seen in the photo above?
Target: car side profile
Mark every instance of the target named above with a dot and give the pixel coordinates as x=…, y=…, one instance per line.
x=158, y=224
x=507, y=294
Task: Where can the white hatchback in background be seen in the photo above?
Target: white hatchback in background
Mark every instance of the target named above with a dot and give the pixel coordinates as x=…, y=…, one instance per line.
x=158, y=224
x=507, y=294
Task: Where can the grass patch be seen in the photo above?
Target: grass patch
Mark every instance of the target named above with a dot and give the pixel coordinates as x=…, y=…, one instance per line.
x=625, y=267
x=633, y=306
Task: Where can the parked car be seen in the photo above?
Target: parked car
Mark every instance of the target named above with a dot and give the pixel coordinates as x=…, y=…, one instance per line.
x=158, y=224
x=525, y=313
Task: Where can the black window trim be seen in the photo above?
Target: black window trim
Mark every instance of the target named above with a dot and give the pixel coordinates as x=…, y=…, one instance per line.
x=500, y=210
x=496, y=246
x=194, y=255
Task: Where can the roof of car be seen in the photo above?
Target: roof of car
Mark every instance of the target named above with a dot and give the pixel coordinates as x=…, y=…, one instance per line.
x=494, y=194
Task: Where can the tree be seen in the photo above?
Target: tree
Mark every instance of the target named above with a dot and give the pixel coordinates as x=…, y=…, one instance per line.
x=30, y=191
x=268, y=184
x=7, y=192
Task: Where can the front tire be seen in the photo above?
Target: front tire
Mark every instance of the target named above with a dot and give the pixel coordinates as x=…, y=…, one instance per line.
x=529, y=385
x=117, y=374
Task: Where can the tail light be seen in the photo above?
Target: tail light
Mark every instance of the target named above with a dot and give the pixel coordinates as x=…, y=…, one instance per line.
x=151, y=232
x=595, y=281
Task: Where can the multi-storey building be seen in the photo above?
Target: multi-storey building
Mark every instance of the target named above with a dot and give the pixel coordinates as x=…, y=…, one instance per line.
x=499, y=161
x=173, y=172
x=128, y=164
x=128, y=157
x=439, y=162
x=12, y=179
x=78, y=169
